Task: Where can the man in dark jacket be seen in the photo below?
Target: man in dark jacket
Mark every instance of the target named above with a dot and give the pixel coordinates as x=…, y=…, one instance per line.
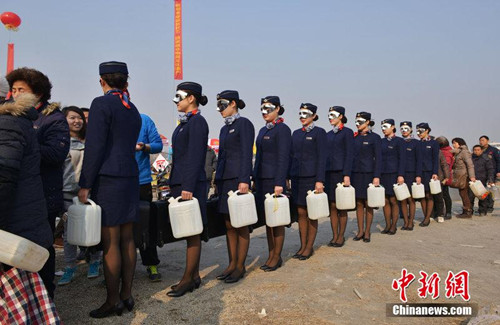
x=494, y=155
x=52, y=131
x=22, y=204
x=485, y=172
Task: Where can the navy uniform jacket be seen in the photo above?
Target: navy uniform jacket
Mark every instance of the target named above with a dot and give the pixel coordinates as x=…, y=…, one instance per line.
x=189, y=143
x=367, y=154
x=236, y=151
x=393, y=156
x=309, y=154
x=340, y=153
x=273, y=153
x=111, y=138
x=413, y=156
x=430, y=156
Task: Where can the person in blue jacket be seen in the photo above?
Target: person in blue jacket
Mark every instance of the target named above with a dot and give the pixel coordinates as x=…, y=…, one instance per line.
x=271, y=169
x=413, y=171
x=340, y=143
x=187, y=177
x=307, y=173
x=430, y=165
x=234, y=168
x=393, y=170
x=110, y=171
x=366, y=169
x=149, y=142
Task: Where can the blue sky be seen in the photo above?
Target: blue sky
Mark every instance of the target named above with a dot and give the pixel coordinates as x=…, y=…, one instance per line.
x=433, y=61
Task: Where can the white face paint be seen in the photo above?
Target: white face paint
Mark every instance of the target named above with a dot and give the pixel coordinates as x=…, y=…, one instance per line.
x=360, y=121
x=305, y=113
x=179, y=96
x=267, y=108
x=386, y=126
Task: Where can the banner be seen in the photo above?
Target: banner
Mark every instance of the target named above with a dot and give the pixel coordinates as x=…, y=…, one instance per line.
x=178, y=40
x=10, y=57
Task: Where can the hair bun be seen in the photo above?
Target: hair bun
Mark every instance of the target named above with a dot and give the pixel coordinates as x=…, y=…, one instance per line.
x=344, y=120
x=372, y=123
x=241, y=104
x=203, y=100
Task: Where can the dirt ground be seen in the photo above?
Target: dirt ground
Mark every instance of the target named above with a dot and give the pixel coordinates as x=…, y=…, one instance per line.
x=319, y=290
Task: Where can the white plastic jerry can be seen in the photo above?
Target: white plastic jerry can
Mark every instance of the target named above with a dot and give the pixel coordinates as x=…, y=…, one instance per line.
x=185, y=217
x=277, y=210
x=418, y=191
x=242, y=210
x=376, y=196
x=478, y=189
x=401, y=191
x=435, y=186
x=345, y=197
x=84, y=223
x=21, y=253
x=317, y=205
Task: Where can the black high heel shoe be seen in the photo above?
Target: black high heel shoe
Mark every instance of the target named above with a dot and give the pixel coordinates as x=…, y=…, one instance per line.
x=264, y=267
x=359, y=238
x=306, y=257
x=366, y=240
x=236, y=278
x=223, y=276
x=390, y=232
x=385, y=231
x=274, y=268
x=404, y=228
x=424, y=224
x=296, y=255
x=179, y=291
x=339, y=245
x=197, y=283
x=129, y=303
x=102, y=313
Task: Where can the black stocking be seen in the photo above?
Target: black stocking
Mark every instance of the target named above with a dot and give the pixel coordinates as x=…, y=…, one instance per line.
x=129, y=258
x=394, y=212
x=360, y=215
x=232, y=243
x=193, y=253
x=334, y=220
x=303, y=224
x=112, y=263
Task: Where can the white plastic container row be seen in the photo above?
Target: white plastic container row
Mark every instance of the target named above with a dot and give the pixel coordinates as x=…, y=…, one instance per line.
x=242, y=209
x=84, y=223
x=185, y=217
x=317, y=205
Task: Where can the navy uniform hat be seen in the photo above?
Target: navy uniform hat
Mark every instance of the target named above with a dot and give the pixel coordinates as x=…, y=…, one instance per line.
x=406, y=123
x=229, y=95
x=389, y=121
x=113, y=67
x=275, y=100
x=232, y=95
x=191, y=86
x=423, y=125
x=313, y=108
x=365, y=115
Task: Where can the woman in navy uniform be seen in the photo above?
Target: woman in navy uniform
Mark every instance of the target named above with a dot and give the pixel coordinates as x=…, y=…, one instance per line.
x=188, y=178
x=393, y=170
x=340, y=143
x=271, y=169
x=307, y=173
x=430, y=165
x=234, y=168
x=366, y=169
x=110, y=171
x=413, y=171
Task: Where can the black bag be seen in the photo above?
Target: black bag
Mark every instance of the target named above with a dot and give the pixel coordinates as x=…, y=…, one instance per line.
x=215, y=226
x=141, y=228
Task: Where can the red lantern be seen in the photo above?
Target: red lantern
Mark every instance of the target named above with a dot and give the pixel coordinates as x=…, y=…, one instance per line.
x=10, y=20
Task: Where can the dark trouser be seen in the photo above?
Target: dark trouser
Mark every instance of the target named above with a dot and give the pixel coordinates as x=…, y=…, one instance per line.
x=438, y=204
x=489, y=202
x=447, y=199
x=464, y=194
x=149, y=255
x=47, y=273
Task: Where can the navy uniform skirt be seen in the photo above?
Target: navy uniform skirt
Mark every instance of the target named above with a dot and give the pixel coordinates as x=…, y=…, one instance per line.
x=300, y=186
x=224, y=186
x=410, y=179
x=426, y=178
x=387, y=180
x=118, y=198
x=360, y=183
x=332, y=179
x=200, y=193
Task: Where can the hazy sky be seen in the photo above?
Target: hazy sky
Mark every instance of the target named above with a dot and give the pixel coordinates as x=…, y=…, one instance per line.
x=433, y=61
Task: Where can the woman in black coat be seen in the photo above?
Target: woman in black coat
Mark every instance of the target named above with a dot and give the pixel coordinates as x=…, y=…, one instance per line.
x=234, y=168
x=188, y=178
x=110, y=170
x=22, y=203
